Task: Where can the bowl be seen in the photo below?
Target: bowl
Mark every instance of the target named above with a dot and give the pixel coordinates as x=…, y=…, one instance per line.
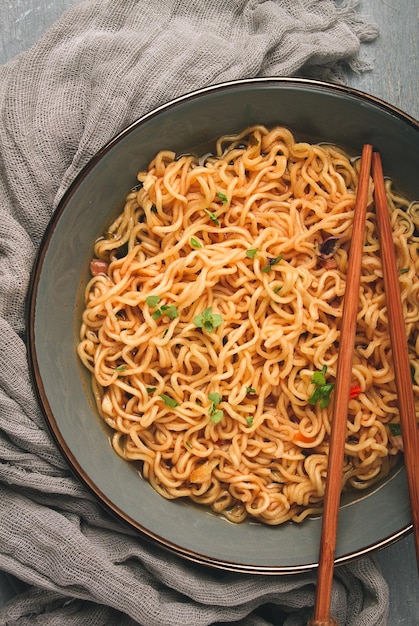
x=312, y=110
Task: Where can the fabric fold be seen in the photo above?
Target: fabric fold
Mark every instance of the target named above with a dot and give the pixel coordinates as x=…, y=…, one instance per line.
x=104, y=64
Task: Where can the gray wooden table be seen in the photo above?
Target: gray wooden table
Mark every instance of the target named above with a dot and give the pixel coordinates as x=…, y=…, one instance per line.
x=395, y=79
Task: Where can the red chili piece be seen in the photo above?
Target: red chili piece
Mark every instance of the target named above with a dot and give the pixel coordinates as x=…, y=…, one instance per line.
x=355, y=390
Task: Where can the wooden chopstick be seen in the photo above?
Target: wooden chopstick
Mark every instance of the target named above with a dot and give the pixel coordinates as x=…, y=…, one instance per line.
x=341, y=400
x=397, y=326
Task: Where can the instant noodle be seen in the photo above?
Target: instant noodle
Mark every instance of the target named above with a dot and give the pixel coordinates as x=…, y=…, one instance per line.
x=212, y=324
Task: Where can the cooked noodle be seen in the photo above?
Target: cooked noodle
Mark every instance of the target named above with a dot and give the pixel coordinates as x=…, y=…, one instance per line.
x=216, y=295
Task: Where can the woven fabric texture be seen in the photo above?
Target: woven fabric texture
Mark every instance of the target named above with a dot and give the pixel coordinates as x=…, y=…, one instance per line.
x=104, y=64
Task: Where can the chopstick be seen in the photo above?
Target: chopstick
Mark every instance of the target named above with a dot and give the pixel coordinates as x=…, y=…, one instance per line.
x=341, y=400
x=397, y=326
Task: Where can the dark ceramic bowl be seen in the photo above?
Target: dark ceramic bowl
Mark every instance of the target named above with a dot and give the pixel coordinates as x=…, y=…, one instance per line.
x=312, y=110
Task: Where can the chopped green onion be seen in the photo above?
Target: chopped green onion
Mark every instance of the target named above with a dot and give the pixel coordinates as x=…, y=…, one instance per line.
x=212, y=216
x=195, y=243
x=249, y=421
x=314, y=396
x=188, y=445
x=170, y=310
x=322, y=389
x=395, y=429
x=276, y=260
x=250, y=390
x=150, y=389
x=404, y=270
x=121, y=368
x=222, y=197
x=325, y=391
x=168, y=400
x=251, y=253
x=166, y=309
x=152, y=300
x=318, y=379
x=215, y=398
x=271, y=263
x=216, y=417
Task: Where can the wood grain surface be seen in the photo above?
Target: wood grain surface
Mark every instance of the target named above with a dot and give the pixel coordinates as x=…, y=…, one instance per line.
x=394, y=78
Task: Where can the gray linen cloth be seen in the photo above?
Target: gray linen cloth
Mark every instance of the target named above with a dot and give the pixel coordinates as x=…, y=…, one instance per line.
x=104, y=64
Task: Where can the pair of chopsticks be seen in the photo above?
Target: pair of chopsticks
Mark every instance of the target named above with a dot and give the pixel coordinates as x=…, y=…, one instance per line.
x=408, y=422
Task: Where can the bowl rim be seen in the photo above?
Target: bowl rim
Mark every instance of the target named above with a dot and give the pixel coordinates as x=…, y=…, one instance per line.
x=36, y=378
x=197, y=93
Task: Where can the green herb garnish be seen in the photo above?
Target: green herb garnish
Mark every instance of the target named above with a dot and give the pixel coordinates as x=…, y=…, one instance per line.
x=404, y=270
x=319, y=378
x=216, y=415
x=322, y=389
x=152, y=300
x=250, y=390
x=222, y=197
x=168, y=400
x=271, y=263
x=150, y=389
x=212, y=216
x=195, y=243
x=208, y=320
x=251, y=253
x=249, y=421
x=121, y=368
x=395, y=429
x=167, y=309
x=215, y=400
